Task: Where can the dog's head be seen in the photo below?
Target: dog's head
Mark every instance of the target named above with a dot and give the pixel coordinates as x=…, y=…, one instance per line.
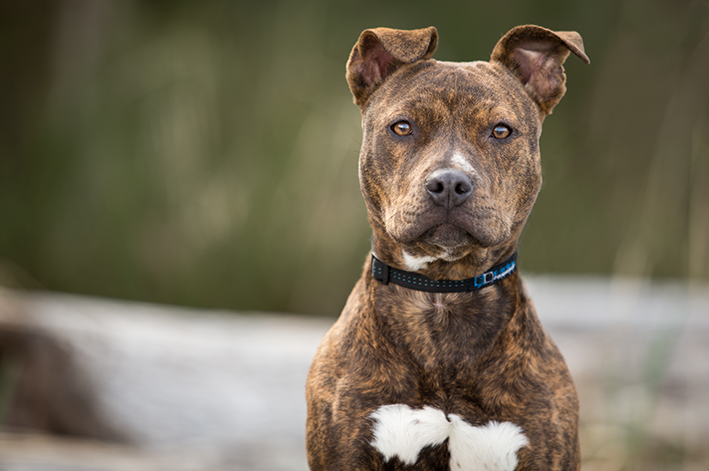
x=450, y=163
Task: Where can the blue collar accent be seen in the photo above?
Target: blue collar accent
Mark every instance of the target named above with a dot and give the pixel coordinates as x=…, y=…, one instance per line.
x=385, y=274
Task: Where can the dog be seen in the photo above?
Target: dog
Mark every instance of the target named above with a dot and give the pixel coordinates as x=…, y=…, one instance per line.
x=438, y=360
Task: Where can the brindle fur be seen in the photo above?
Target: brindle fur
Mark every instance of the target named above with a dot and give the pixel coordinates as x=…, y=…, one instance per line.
x=481, y=355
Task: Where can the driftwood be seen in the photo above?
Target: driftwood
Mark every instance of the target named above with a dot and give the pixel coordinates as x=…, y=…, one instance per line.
x=97, y=384
x=43, y=387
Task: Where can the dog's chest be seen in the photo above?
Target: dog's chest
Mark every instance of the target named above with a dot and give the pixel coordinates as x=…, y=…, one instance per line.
x=445, y=334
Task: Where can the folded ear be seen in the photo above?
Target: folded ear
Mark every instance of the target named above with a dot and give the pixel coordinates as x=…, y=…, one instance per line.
x=536, y=55
x=380, y=51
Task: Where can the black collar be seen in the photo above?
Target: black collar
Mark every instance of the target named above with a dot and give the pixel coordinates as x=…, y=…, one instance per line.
x=384, y=274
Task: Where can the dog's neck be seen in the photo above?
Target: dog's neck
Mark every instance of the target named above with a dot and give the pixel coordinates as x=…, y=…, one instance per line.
x=446, y=334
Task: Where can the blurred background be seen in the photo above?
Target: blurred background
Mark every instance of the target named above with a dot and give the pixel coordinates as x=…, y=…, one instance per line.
x=204, y=155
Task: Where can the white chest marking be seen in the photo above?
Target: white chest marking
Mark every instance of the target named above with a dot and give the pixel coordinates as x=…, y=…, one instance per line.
x=402, y=432
x=414, y=263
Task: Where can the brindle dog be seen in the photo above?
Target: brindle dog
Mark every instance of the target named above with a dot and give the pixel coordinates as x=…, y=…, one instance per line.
x=437, y=378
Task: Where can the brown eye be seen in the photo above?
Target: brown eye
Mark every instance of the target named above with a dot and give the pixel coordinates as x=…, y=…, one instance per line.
x=402, y=128
x=501, y=131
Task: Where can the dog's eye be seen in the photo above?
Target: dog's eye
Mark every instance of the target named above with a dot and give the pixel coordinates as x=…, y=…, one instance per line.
x=501, y=131
x=402, y=128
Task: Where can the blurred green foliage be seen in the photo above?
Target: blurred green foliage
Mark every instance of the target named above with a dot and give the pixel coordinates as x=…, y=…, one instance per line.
x=205, y=153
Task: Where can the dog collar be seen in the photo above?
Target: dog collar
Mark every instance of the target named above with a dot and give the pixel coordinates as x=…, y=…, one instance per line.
x=385, y=274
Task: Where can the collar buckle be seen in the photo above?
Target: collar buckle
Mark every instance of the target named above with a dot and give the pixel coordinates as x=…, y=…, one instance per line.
x=484, y=279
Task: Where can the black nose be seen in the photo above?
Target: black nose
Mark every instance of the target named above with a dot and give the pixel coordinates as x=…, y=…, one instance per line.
x=449, y=188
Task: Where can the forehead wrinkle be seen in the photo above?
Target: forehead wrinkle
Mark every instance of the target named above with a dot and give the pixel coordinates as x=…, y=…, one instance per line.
x=464, y=90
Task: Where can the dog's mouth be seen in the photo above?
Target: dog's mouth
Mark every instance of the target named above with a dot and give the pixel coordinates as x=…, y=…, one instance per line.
x=447, y=235
x=484, y=227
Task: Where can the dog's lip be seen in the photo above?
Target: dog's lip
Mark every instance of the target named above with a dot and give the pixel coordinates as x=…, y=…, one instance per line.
x=426, y=228
x=447, y=235
x=482, y=225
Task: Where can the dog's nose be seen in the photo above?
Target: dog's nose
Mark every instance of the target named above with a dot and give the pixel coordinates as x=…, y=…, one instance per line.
x=449, y=188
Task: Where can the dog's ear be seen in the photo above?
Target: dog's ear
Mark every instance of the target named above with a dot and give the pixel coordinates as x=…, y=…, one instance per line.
x=536, y=56
x=380, y=51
